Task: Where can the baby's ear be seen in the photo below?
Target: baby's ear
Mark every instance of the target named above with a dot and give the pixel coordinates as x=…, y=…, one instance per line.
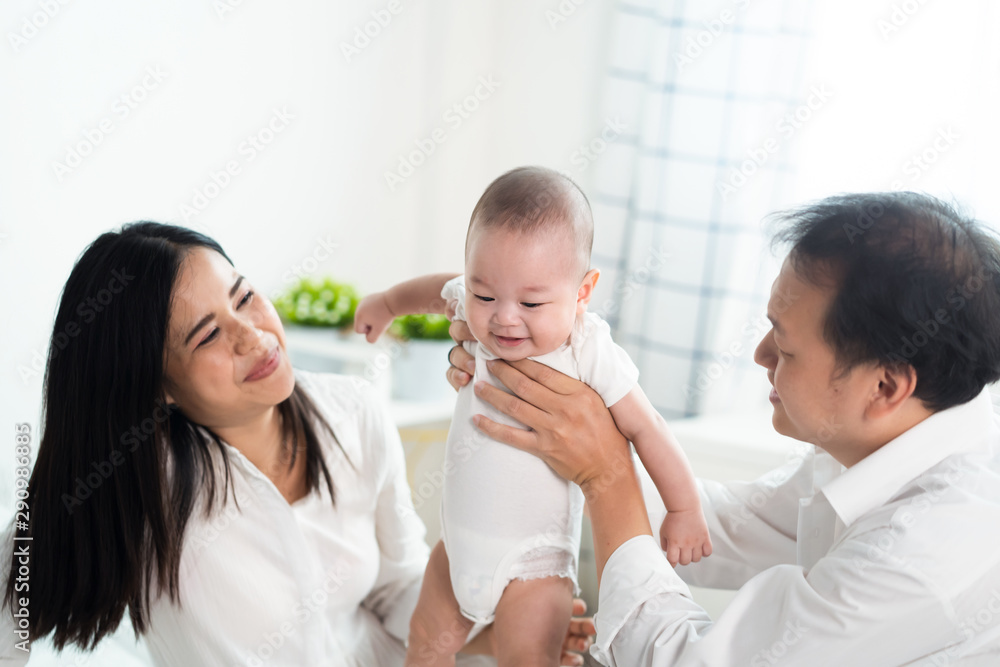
x=586, y=290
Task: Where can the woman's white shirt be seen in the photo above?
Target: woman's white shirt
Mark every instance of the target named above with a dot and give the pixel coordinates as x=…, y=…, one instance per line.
x=311, y=583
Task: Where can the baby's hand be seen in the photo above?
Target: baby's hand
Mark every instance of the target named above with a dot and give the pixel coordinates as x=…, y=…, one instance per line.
x=373, y=316
x=684, y=537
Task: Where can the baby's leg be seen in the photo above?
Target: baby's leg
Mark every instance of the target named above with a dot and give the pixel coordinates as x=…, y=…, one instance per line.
x=437, y=627
x=531, y=622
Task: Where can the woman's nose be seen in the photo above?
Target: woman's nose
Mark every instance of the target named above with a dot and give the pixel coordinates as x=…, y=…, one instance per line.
x=247, y=336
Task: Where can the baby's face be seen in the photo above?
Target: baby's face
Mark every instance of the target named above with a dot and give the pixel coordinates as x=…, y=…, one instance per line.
x=523, y=292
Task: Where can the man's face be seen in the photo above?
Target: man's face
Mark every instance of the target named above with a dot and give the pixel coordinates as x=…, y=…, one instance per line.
x=811, y=401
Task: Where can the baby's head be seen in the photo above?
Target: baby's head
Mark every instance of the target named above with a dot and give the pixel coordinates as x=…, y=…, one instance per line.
x=527, y=262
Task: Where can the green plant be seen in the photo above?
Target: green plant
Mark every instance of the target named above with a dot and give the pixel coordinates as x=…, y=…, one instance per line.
x=318, y=302
x=421, y=327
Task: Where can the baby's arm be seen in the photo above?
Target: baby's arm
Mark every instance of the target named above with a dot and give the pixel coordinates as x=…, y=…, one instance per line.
x=684, y=533
x=419, y=295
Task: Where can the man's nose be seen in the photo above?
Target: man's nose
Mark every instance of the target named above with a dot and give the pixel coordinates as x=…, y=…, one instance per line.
x=766, y=355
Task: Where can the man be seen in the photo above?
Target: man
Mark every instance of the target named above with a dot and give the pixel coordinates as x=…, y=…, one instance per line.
x=879, y=547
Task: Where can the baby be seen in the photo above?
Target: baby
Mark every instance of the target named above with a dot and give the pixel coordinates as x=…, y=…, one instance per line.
x=510, y=525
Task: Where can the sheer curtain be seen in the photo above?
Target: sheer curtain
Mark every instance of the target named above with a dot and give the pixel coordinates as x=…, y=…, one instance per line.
x=709, y=99
x=732, y=110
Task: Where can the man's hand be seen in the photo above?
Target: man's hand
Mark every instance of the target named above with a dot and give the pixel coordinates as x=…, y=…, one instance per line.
x=570, y=428
x=579, y=636
x=463, y=364
x=373, y=316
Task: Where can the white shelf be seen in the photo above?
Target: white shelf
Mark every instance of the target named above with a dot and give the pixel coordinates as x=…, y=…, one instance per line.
x=407, y=414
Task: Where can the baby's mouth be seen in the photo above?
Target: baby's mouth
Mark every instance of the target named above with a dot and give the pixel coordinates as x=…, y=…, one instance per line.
x=508, y=341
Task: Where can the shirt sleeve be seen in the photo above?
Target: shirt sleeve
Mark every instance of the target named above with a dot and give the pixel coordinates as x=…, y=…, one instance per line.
x=753, y=525
x=454, y=290
x=603, y=364
x=846, y=610
x=403, y=553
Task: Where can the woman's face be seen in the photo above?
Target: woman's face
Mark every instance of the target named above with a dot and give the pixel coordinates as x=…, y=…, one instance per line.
x=225, y=358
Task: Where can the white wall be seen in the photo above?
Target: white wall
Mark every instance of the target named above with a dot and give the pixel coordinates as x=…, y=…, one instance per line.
x=223, y=72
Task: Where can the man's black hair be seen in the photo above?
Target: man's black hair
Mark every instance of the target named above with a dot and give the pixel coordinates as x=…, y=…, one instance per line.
x=917, y=282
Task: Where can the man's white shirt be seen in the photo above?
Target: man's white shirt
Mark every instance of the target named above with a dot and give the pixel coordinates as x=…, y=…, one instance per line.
x=895, y=561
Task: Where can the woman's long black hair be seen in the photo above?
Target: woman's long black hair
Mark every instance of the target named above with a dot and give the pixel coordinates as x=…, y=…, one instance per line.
x=106, y=519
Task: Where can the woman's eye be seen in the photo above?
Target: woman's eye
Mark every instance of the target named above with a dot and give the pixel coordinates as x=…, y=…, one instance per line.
x=209, y=337
x=484, y=298
x=246, y=298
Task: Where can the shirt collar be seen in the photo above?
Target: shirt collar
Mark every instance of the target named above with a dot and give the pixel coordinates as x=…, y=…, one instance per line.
x=879, y=476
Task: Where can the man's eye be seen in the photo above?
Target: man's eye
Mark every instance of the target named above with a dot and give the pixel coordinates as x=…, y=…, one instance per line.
x=246, y=297
x=483, y=298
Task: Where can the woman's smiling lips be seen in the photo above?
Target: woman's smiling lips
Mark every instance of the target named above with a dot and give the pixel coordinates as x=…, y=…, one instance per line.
x=265, y=366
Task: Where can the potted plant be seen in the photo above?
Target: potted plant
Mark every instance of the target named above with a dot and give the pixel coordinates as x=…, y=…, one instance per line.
x=318, y=315
x=419, y=365
x=318, y=302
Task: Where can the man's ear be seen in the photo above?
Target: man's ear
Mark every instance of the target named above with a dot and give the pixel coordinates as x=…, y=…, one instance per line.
x=896, y=383
x=586, y=290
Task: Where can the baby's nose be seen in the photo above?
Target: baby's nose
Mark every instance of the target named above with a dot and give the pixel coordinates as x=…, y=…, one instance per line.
x=507, y=315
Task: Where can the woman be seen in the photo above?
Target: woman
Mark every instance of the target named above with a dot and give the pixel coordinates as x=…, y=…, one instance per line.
x=242, y=512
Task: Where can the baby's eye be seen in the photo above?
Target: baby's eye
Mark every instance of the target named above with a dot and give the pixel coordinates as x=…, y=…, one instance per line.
x=531, y=305
x=483, y=298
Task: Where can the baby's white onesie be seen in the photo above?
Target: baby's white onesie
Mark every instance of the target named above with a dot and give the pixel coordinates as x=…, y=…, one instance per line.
x=505, y=514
